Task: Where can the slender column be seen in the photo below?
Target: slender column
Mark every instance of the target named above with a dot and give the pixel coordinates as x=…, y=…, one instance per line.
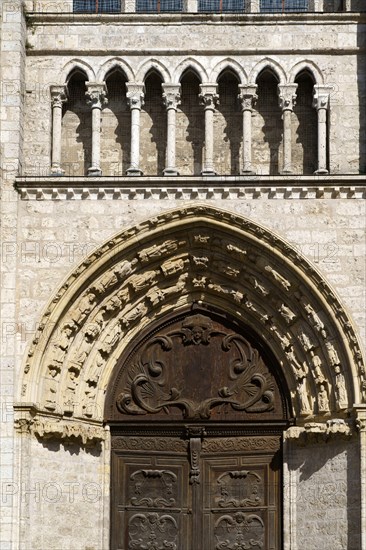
x=253, y=6
x=190, y=6
x=316, y=5
x=247, y=97
x=321, y=104
x=361, y=424
x=129, y=6
x=96, y=97
x=287, y=98
x=58, y=97
x=171, y=97
x=209, y=99
x=135, y=98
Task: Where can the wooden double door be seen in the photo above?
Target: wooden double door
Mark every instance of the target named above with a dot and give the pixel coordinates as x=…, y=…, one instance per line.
x=195, y=492
x=196, y=408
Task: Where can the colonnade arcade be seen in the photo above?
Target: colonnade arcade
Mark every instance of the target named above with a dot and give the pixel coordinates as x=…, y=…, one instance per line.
x=268, y=123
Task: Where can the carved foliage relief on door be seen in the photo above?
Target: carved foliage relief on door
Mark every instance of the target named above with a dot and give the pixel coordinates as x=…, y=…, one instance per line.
x=196, y=369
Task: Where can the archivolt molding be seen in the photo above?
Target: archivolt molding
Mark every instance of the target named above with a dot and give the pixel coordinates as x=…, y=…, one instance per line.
x=306, y=65
x=270, y=64
x=77, y=64
x=230, y=64
x=153, y=64
x=115, y=63
x=193, y=254
x=194, y=65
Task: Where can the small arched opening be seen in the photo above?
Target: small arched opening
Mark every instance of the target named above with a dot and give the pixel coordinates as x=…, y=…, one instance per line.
x=267, y=126
x=190, y=126
x=76, y=127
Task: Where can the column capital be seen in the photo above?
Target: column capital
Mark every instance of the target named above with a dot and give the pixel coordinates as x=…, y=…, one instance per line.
x=135, y=94
x=58, y=95
x=321, y=96
x=171, y=95
x=247, y=96
x=96, y=94
x=208, y=95
x=287, y=96
x=360, y=413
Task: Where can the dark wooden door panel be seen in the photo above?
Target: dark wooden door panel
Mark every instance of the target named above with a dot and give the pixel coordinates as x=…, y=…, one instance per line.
x=151, y=501
x=224, y=498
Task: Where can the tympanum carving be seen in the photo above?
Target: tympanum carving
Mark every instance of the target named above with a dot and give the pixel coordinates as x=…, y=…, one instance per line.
x=199, y=368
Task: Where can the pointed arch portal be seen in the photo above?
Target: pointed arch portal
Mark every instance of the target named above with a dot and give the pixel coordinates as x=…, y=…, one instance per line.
x=197, y=338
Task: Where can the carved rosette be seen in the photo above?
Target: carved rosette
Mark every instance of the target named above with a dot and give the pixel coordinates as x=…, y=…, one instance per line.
x=198, y=254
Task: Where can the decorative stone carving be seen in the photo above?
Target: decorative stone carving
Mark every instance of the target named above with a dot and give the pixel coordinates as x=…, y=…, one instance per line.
x=287, y=313
x=134, y=314
x=317, y=368
x=200, y=262
x=112, y=277
x=60, y=349
x=141, y=281
x=313, y=432
x=278, y=278
x=332, y=354
x=258, y=286
x=340, y=389
x=157, y=295
x=88, y=405
x=76, y=301
x=79, y=359
x=300, y=370
x=51, y=388
x=305, y=341
x=69, y=395
x=223, y=267
x=85, y=305
x=284, y=339
x=156, y=251
x=171, y=267
x=305, y=407
x=323, y=401
x=236, y=251
x=315, y=319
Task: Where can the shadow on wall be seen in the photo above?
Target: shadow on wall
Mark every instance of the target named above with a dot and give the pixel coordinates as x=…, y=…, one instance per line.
x=328, y=492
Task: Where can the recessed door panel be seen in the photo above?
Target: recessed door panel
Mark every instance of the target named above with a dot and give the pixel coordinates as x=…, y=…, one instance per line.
x=183, y=495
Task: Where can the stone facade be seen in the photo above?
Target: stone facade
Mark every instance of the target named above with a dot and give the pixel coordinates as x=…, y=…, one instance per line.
x=218, y=119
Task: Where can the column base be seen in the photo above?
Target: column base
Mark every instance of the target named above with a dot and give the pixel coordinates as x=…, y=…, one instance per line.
x=57, y=172
x=286, y=172
x=94, y=172
x=321, y=172
x=208, y=173
x=248, y=172
x=170, y=172
x=134, y=172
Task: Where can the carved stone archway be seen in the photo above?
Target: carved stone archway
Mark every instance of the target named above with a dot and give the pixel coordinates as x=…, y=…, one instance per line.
x=194, y=254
